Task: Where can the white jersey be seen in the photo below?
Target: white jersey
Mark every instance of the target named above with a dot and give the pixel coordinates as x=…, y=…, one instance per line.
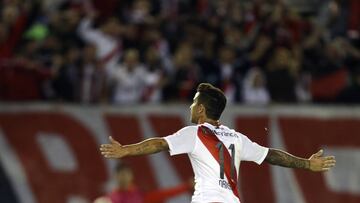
x=209, y=187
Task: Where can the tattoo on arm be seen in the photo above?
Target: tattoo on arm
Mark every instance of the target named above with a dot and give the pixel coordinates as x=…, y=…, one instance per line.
x=149, y=146
x=281, y=158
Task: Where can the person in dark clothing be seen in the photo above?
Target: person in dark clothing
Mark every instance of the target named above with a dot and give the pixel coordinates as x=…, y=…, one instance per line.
x=280, y=76
x=351, y=94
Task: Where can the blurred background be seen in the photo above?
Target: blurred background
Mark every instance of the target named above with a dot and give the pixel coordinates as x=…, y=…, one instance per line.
x=73, y=72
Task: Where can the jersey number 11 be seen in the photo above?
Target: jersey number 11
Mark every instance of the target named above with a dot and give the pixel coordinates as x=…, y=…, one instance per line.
x=220, y=146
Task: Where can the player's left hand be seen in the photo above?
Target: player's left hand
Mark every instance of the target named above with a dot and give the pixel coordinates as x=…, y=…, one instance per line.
x=113, y=150
x=319, y=163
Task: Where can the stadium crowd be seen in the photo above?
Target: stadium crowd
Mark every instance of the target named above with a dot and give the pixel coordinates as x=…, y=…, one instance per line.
x=151, y=51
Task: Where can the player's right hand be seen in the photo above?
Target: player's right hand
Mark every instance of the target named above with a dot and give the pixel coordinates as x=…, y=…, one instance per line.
x=113, y=150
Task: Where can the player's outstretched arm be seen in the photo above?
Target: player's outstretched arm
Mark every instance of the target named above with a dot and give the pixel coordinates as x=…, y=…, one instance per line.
x=149, y=146
x=316, y=162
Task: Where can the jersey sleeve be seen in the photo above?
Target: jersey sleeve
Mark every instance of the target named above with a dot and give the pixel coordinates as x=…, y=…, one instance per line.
x=251, y=151
x=183, y=141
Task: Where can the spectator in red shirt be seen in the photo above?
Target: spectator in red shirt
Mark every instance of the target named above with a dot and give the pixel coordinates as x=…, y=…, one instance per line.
x=127, y=192
x=12, y=25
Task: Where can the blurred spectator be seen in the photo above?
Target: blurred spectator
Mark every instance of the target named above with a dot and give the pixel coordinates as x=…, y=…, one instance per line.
x=66, y=81
x=140, y=12
x=106, y=38
x=63, y=25
x=329, y=74
x=261, y=51
x=186, y=75
x=351, y=94
x=354, y=21
x=302, y=88
x=304, y=56
x=207, y=62
x=12, y=25
x=127, y=192
x=334, y=16
x=92, y=76
x=156, y=77
x=157, y=43
x=228, y=72
x=254, y=88
x=22, y=80
x=129, y=79
x=280, y=76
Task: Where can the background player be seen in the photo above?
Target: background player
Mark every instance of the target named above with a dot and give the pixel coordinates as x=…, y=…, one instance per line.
x=214, y=167
x=126, y=190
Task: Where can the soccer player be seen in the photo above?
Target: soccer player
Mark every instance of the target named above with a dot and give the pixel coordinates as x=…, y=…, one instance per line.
x=214, y=150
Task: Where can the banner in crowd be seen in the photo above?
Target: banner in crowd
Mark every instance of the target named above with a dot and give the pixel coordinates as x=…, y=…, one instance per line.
x=50, y=153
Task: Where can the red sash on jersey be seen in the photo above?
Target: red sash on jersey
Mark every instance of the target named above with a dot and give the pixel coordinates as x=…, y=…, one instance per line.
x=111, y=54
x=209, y=139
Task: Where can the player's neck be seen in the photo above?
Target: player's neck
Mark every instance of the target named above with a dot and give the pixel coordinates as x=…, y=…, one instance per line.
x=215, y=123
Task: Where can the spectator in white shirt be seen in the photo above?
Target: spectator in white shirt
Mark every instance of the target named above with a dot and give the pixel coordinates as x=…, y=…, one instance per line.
x=157, y=75
x=106, y=38
x=254, y=88
x=129, y=79
x=92, y=77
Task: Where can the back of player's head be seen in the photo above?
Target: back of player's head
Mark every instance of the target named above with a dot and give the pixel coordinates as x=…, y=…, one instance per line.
x=213, y=100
